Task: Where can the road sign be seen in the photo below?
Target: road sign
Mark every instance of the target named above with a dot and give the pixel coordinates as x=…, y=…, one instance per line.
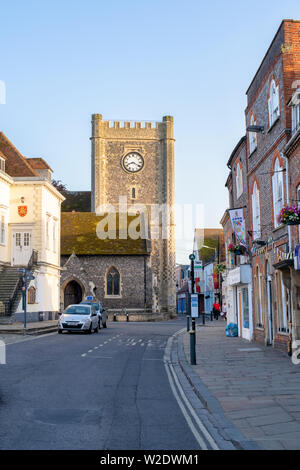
x=89, y=297
x=192, y=257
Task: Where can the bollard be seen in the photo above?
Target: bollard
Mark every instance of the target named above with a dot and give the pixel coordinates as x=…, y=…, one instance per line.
x=211, y=316
x=115, y=317
x=188, y=323
x=127, y=317
x=203, y=318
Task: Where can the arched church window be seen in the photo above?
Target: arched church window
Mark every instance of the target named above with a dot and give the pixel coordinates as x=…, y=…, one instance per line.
x=113, y=282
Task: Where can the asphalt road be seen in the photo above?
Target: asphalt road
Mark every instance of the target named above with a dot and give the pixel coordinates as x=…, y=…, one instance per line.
x=101, y=391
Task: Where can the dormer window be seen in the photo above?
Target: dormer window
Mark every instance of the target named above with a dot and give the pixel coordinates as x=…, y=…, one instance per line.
x=2, y=164
x=273, y=103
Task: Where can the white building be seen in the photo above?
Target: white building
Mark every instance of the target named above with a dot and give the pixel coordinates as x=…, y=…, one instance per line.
x=29, y=234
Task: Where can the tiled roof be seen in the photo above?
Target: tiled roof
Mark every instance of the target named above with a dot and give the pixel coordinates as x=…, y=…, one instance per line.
x=38, y=164
x=16, y=164
x=78, y=234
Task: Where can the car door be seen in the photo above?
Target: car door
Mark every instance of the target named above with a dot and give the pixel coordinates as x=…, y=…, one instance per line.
x=94, y=317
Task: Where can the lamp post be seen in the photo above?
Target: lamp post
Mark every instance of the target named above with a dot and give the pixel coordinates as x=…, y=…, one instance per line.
x=193, y=330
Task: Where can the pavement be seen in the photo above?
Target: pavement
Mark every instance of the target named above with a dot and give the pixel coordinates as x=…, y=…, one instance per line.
x=252, y=391
x=32, y=328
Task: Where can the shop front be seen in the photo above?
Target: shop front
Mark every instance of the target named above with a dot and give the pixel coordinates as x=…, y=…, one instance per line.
x=239, y=282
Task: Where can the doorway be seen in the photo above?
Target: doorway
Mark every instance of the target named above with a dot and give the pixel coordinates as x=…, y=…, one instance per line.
x=22, y=247
x=72, y=293
x=270, y=310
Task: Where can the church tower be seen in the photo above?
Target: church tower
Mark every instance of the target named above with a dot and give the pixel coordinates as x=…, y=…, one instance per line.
x=136, y=160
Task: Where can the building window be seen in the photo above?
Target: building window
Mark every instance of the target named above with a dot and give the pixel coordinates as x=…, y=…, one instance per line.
x=31, y=295
x=2, y=230
x=277, y=188
x=113, y=282
x=239, y=181
x=54, y=236
x=48, y=233
x=295, y=102
x=2, y=164
x=252, y=136
x=133, y=193
x=255, y=212
x=273, y=103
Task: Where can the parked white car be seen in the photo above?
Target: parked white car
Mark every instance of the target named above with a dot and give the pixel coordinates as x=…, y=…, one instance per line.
x=101, y=312
x=79, y=318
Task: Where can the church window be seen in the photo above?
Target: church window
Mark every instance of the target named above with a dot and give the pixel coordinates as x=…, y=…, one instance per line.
x=133, y=193
x=113, y=282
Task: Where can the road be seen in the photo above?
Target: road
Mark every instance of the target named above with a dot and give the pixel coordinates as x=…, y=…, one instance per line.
x=109, y=390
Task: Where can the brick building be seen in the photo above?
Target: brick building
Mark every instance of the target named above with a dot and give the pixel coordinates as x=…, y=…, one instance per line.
x=271, y=176
x=237, y=279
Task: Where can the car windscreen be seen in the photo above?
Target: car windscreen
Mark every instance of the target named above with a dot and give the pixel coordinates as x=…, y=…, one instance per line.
x=94, y=304
x=77, y=310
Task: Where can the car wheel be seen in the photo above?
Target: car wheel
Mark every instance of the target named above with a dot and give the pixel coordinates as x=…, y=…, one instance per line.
x=89, y=331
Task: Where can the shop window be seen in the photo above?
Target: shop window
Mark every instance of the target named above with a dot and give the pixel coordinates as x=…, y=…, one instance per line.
x=283, y=305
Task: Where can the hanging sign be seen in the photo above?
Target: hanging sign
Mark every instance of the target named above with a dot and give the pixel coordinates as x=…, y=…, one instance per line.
x=238, y=225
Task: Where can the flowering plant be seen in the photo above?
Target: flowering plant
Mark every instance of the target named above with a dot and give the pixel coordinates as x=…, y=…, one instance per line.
x=236, y=249
x=289, y=215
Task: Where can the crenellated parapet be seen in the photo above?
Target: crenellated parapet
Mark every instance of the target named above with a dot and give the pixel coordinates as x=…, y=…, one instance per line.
x=131, y=129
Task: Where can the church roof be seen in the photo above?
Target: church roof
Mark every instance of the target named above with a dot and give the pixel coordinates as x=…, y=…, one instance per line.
x=78, y=235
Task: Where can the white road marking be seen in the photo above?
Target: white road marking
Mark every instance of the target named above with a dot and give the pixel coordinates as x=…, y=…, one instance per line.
x=83, y=355
x=183, y=402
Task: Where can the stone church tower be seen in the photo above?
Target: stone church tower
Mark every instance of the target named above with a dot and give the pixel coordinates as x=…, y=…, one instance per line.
x=136, y=160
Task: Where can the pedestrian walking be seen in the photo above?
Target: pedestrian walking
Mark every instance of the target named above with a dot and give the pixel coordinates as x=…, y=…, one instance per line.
x=224, y=311
x=216, y=310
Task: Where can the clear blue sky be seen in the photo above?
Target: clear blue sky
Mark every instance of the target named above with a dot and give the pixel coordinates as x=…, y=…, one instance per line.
x=139, y=60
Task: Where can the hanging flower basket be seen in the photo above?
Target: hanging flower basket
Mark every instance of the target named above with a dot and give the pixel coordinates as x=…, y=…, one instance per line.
x=237, y=249
x=289, y=215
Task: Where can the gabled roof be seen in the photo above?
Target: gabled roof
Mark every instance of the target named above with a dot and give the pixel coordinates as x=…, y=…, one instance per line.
x=78, y=235
x=16, y=164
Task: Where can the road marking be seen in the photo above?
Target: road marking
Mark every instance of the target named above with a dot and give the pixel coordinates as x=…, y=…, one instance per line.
x=183, y=402
x=83, y=355
x=90, y=350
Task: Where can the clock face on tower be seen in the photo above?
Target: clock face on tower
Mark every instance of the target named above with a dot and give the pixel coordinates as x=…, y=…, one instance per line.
x=133, y=162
